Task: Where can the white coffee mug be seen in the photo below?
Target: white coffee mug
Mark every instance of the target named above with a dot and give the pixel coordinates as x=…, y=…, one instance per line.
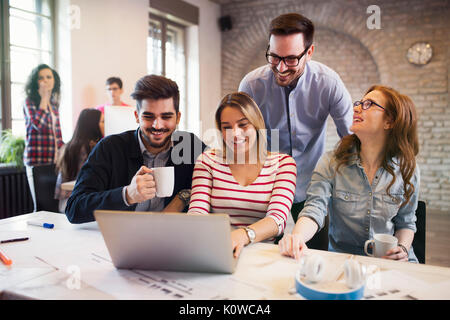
x=164, y=181
x=381, y=243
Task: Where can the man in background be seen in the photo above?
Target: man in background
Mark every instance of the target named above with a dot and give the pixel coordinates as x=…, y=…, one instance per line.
x=113, y=91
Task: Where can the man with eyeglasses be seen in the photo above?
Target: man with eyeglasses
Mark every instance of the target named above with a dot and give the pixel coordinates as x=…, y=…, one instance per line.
x=296, y=95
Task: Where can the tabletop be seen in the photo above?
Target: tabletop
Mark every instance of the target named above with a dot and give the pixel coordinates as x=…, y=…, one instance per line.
x=72, y=262
x=68, y=186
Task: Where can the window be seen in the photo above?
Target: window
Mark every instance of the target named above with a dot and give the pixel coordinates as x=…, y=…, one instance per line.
x=167, y=57
x=27, y=41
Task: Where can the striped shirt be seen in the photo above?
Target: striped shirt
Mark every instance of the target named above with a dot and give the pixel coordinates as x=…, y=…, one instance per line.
x=214, y=189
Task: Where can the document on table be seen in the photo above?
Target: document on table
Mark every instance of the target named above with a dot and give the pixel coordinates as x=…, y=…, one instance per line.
x=440, y=291
x=23, y=268
x=12, y=276
x=95, y=268
x=393, y=285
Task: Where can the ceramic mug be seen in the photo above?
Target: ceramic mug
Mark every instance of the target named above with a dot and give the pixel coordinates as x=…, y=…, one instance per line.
x=164, y=181
x=381, y=243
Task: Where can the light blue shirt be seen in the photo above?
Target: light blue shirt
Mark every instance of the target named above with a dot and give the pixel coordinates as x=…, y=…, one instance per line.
x=357, y=209
x=319, y=92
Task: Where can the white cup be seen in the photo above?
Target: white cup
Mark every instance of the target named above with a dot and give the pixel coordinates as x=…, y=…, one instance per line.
x=164, y=181
x=381, y=243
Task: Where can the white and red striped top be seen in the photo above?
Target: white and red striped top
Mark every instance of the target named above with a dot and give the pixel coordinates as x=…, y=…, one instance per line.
x=214, y=189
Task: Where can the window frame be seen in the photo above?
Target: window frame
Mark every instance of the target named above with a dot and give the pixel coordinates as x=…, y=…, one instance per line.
x=5, y=56
x=164, y=23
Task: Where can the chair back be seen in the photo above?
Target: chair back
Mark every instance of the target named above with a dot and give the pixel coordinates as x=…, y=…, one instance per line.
x=419, y=237
x=320, y=240
x=44, y=179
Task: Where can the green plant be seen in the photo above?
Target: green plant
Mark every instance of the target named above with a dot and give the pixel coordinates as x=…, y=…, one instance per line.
x=11, y=148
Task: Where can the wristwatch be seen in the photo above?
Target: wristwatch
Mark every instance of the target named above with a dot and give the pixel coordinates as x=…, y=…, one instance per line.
x=403, y=248
x=250, y=234
x=185, y=196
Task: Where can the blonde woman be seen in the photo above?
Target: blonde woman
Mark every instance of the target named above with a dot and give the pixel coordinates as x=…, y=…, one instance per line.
x=255, y=187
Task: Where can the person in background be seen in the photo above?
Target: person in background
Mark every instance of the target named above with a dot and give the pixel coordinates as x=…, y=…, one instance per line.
x=43, y=129
x=369, y=184
x=114, y=91
x=41, y=112
x=255, y=187
x=88, y=131
x=296, y=95
x=118, y=172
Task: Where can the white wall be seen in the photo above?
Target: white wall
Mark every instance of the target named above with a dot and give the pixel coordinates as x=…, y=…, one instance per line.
x=63, y=61
x=111, y=41
x=210, y=62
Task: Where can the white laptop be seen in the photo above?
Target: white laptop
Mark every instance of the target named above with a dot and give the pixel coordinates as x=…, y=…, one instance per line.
x=119, y=119
x=168, y=241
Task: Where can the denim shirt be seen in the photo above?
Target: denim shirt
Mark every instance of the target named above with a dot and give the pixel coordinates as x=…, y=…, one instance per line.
x=358, y=209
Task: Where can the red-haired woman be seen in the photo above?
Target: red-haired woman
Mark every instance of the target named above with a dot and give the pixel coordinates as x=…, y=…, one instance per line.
x=369, y=183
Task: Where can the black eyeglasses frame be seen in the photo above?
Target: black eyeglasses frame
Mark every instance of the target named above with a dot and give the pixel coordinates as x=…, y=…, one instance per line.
x=299, y=57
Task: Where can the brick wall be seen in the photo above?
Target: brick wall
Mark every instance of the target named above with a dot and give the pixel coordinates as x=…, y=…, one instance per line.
x=363, y=57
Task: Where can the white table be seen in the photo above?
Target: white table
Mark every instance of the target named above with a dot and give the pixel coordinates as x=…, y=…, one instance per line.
x=72, y=262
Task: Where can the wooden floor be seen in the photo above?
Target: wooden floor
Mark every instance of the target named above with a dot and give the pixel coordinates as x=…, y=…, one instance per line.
x=437, y=245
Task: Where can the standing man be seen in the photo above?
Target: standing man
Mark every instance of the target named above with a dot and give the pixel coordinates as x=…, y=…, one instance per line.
x=296, y=95
x=114, y=92
x=117, y=174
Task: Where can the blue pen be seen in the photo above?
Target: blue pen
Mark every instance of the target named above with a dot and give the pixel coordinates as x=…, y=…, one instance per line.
x=41, y=224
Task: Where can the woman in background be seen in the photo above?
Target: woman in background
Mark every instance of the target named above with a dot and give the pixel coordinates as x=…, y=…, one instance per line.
x=88, y=131
x=253, y=186
x=43, y=136
x=41, y=113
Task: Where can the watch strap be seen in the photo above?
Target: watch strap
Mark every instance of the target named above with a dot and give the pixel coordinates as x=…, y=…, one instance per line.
x=250, y=234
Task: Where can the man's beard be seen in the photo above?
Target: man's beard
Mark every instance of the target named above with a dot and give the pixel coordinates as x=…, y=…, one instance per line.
x=154, y=144
x=293, y=74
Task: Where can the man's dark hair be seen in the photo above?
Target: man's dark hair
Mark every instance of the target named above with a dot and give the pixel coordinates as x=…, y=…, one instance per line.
x=112, y=80
x=156, y=87
x=290, y=23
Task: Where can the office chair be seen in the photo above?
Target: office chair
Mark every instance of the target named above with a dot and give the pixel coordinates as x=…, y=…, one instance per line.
x=419, y=237
x=320, y=240
x=44, y=180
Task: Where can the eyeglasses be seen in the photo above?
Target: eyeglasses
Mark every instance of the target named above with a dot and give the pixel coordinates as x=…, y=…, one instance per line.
x=366, y=104
x=289, y=61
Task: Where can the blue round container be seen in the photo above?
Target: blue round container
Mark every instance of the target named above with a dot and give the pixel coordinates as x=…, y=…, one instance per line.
x=310, y=293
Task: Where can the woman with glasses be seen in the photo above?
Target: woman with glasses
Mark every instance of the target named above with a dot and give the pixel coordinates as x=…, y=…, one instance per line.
x=255, y=187
x=369, y=184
